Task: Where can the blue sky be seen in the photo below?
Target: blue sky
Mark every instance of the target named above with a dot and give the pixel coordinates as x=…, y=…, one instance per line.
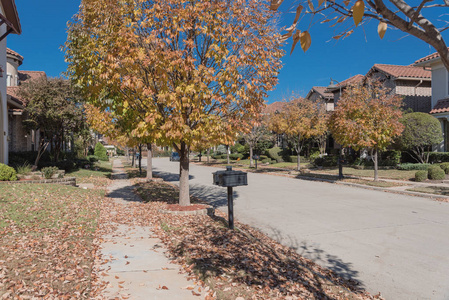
x=44, y=31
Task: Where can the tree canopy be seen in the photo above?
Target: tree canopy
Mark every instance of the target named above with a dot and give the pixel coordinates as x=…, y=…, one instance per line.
x=193, y=69
x=421, y=131
x=367, y=116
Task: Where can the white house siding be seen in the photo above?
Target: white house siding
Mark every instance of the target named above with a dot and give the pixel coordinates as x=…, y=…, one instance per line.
x=439, y=83
x=3, y=99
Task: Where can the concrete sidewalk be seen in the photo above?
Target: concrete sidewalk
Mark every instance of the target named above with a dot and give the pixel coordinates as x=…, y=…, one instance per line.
x=134, y=265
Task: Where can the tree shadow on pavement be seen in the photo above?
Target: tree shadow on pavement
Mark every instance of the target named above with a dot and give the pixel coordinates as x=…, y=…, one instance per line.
x=215, y=196
x=319, y=256
x=123, y=193
x=167, y=176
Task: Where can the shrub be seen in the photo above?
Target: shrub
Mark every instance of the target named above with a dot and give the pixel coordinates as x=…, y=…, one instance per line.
x=275, y=154
x=436, y=173
x=421, y=175
x=48, y=172
x=221, y=149
x=92, y=158
x=266, y=160
x=326, y=161
x=413, y=166
x=100, y=152
x=238, y=148
x=7, y=173
x=24, y=169
x=390, y=158
x=445, y=167
x=235, y=156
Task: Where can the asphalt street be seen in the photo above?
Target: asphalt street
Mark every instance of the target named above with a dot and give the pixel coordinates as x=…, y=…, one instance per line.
x=394, y=244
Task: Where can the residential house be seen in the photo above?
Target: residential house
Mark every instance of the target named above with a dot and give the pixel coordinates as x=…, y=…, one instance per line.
x=440, y=94
x=19, y=138
x=320, y=93
x=338, y=89
x=413, y=83
x=9, y=23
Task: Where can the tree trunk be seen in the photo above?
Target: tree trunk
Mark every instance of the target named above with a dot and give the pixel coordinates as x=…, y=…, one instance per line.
x=140, y=159
x=184, y=196
x=227, y=154
x=149, y=162
x=208, y=154
x=374, y=157
x=250, y=155
x=298, y=152
x=132, y=160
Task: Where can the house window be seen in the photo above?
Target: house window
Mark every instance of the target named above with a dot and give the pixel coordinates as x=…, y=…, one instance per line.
x=8, y=79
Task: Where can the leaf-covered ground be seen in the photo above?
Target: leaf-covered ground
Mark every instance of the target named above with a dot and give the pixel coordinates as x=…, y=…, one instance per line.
x=240, y=263
x=46, y=246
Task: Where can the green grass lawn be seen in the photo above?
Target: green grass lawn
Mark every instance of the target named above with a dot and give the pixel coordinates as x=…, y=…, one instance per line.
x=47, y=235
x=388, y=174
x=437, y=190
x=244, y=163
x=98, y=175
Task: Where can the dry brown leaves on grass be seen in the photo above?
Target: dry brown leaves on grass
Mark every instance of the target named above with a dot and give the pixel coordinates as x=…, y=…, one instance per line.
x=240, y=263
x=46, y=248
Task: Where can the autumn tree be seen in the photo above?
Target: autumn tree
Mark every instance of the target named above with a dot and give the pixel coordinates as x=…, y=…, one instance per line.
x=258, y=132
x=194, y=69
x=299, y=120
x=421, y=132
x=121, y=130
x=53, y=107
x=416, y=18
x=367, y=116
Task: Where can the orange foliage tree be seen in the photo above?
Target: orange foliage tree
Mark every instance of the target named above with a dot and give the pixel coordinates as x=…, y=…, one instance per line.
x=367, y=117
x=190, y=69
x=299, y=120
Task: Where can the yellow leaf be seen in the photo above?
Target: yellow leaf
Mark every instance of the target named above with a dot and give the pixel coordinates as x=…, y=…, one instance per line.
x=125, y=104
x=381, y=29
x=311, y=5
x=295, y=40
x=298, y=13
x=275, y=4
x=320, y=2
x=306, y=40
x=357, y=11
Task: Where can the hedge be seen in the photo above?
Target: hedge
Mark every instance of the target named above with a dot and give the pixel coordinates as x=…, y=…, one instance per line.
x=275, y=154
x=413, y=166
x=445, y=167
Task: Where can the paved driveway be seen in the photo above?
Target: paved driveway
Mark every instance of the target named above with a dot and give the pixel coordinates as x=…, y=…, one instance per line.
x=394, y=244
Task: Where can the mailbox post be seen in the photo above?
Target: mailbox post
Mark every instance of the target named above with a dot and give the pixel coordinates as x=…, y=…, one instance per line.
x=230, y=179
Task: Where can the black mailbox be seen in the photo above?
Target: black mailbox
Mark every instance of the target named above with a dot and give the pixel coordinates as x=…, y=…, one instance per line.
x=230, y=178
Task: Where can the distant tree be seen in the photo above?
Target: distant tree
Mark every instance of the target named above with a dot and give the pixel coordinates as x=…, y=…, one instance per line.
x=367, y=117
x=100, y=151
x=416, y=18
x=258, y=132
x=421, y=131
x=299, y=119
x=53, y=107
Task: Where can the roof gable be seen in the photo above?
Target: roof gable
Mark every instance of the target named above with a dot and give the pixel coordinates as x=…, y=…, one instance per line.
x=403, y=72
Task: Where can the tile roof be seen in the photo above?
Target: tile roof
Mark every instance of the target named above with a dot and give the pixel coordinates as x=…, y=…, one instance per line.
x=13, y=92
x=322, y=90
x=441, y=106
x=273, y=107
x=14, y=53
x=25, y=75
x=404, y=71
x=428, y=57
x=351, y=80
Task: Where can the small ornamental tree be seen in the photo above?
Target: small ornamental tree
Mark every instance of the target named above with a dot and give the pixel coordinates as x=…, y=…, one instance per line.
x=100, y=151
x=258, y=132
x=421, y=131
x=367, y=117
x=193, y=69
x=299, y=120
